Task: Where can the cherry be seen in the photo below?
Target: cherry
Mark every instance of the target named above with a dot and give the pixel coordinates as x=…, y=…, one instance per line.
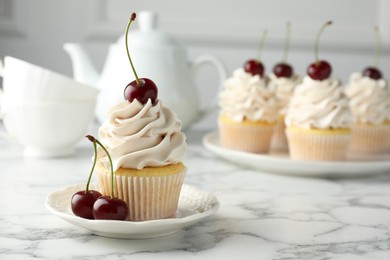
x=109, y=207
x=254, y=66
x=82, y=201
x=283, y=70
x=141, y=88
x=320, y=69
x=141, y=91
x=106, y=207
x=373, y=72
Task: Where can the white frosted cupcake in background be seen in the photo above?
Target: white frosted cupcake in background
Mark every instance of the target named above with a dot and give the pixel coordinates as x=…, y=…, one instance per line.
x=283, y=88
x=248, y=113
x=283, y=80
x=318, y=121
x=370, y=106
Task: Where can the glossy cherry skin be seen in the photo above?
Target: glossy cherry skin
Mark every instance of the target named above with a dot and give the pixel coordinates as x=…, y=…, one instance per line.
x=283, y=70
x=82, y=203
x=142, y=92
x=319, y=70
x=254, y=67
x=372, y=72
x=108, y=208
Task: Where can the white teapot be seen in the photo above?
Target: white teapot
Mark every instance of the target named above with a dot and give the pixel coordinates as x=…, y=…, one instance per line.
x=156, y=56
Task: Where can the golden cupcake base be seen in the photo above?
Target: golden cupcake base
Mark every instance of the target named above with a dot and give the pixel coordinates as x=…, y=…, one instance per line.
x=151, y=193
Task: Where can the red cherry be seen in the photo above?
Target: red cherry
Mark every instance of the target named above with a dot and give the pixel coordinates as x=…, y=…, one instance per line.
x=254, y=67
x=372, y=72
x=283, y=70
x=109, y=208
x=142, y=92
x=141, y=88
x=319, y=70
x=82, y=203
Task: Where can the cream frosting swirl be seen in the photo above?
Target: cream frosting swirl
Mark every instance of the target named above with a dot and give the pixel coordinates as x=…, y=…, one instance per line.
x=319, y=105
x=369, y=99
x=247, y=97
x=283, y=88
x=138, y=136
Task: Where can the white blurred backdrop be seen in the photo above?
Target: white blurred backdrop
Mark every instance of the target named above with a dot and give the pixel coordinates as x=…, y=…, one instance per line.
x=35, y=31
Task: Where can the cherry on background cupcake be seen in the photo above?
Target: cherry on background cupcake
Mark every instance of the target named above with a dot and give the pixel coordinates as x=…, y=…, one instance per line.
x=255, y=66
x=319, y=69
x=373, y=72
x=283, y=69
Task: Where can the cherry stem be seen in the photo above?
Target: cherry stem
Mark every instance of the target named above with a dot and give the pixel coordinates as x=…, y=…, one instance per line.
x=378, y=46
x=93, y=166
x=318, y=40
x=132, y=18
x=95, y=141
x=287, y=41
x=261, y=44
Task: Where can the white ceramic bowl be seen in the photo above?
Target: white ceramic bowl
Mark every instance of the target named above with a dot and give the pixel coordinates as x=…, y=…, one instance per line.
x=28, y=82
x=48, y=129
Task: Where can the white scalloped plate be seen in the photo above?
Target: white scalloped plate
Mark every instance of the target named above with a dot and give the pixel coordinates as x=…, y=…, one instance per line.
x=282, y=164
x=194, y=205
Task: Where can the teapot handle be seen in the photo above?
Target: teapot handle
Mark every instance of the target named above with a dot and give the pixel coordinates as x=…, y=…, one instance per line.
x=222, y=75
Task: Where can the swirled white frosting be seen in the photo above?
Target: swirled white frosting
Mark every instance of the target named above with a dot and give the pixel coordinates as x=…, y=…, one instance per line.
x=319, y=105
x=369, y=99
x=138, y=136
x=283, y=88
x=247, y=97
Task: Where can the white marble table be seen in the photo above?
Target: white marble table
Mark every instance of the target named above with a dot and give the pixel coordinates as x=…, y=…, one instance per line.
x=262, y=216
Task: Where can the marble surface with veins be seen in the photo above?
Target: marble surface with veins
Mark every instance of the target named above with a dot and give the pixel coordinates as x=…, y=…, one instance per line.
x=262, y=215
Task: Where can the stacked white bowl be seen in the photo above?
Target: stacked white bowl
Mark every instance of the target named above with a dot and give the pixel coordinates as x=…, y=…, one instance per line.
x=45, y=111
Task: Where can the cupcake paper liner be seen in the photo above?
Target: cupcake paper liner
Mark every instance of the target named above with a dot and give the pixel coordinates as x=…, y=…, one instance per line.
x=254, y=138
x=317, y=146
x=370, y=138
x=148, y=197
x=279, y=139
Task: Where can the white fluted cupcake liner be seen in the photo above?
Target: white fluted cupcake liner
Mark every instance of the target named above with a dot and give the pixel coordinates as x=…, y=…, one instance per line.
x=317, y=146
x=370, y=138
x=279, y=139
x=148, y=197
x=254, y=138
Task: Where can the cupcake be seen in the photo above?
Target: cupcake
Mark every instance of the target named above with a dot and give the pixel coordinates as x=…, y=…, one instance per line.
x=283, y=87
x=318, y=121
x=147, y=147
x=370, y=106
x=248, y=113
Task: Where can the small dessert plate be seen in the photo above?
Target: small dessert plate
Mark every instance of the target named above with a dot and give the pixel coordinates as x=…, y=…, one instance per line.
x=280, y=163
x=194, y=206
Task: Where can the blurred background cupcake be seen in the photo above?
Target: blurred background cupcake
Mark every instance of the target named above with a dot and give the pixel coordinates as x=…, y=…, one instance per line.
x=318, y=121
x=318, y=118
x=283, y=80
x=283, y=87
x=370, y=106
x=248, y=113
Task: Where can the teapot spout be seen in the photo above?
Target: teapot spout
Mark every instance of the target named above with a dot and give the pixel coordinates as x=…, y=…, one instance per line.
x=83, y=69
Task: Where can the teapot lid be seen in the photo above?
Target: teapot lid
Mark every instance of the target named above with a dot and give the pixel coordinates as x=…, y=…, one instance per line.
x=148, y=35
